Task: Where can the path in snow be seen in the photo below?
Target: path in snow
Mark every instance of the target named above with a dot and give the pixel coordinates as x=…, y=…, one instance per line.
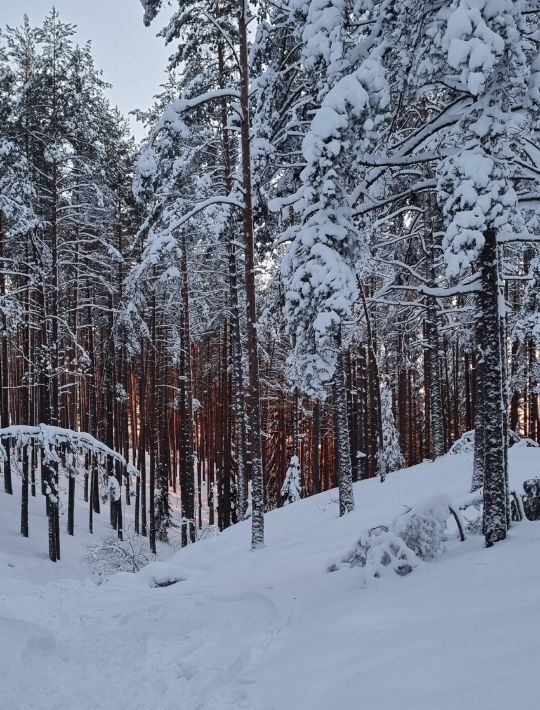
x=79, y=649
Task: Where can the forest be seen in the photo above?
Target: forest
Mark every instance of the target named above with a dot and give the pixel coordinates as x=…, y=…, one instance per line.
x=320, y=265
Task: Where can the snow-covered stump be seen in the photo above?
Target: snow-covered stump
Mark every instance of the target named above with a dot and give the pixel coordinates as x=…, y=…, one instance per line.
x=531, y=499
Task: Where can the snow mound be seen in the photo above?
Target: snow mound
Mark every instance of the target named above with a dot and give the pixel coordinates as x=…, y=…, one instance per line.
x=465, y=443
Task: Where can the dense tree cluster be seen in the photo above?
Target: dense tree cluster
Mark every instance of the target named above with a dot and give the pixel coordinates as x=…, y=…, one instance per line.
x=321, y=264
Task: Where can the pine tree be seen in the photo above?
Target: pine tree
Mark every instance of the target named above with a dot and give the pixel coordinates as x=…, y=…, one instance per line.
x=489, y=49
x=291, y=490
x=391, y=457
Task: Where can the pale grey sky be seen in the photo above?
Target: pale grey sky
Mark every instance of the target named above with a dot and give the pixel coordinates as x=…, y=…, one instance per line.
x=133, y=59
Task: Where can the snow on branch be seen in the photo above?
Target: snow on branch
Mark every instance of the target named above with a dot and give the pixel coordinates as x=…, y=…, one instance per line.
x=317, y=271
x=50, y=438
x=476, y=195
x=171, y=117
x=218, y=200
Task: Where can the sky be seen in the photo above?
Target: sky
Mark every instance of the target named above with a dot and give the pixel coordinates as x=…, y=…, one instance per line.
x=132, y=58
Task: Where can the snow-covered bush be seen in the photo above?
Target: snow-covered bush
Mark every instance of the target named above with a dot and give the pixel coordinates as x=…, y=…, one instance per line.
x=208, y=531
x=463, y=445
x=517, y=512
x=417, y=535
x=110, y=489
x=111, y=555
x=423, y=527
x=524, y=505
x=526, y=443
x=379, y=550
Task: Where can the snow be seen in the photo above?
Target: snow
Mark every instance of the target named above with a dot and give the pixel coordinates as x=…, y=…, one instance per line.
x=476, y=195
x=322, y=36
x=318, y=271
x=473, y=46
x=49, y=438
x=291, y=490
x=273, y=629
x=146, y=163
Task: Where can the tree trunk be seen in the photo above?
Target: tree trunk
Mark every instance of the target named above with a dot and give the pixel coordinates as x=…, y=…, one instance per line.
x=24, y=491
x=315, y=443
x=257, y=484
x=489, y=336
x=343, y=449
x=436, y=430
x=187, y=473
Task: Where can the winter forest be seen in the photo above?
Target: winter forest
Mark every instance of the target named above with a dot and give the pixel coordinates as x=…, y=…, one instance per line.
x=321, y=265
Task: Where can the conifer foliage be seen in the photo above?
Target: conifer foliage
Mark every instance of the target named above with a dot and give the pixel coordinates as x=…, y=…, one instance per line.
x=320, y=265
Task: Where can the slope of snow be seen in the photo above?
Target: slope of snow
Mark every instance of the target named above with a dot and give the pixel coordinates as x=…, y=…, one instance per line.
x=273, y=629
x=29, y=558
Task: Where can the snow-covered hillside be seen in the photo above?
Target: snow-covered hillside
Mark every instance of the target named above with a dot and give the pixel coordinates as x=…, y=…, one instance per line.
x=273, y=629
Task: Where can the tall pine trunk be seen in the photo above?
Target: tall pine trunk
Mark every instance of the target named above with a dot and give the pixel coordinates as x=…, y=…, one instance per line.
x=436, y=422
x=257, y=483
x=343, y=448
x=489, y=326
x=187, y=473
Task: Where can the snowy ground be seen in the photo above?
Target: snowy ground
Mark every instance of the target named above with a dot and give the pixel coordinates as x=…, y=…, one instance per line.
x=272, y=629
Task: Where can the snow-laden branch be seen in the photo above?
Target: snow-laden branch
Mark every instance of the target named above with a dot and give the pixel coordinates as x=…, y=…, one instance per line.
x=49, y=438
x=218, y=200
x=444, y=292
x=418, y=187
x=446, y=118
x=182, y=105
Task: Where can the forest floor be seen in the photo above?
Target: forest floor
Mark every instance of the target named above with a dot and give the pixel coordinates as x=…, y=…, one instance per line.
x=273, y=629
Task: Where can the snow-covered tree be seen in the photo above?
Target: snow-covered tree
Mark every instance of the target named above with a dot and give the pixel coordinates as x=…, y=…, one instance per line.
x=319, y=268
x=291, y=490
x=390, y=458
x=488, y=50
x=186, y=26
